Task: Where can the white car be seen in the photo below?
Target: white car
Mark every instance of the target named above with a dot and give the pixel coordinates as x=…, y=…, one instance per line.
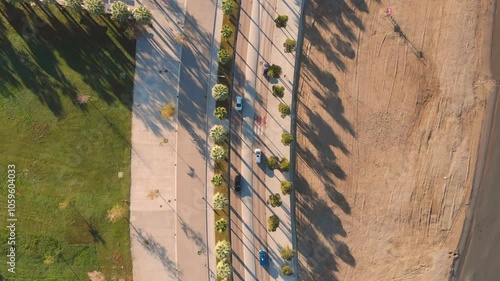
x=239, y=103
x=258, y=155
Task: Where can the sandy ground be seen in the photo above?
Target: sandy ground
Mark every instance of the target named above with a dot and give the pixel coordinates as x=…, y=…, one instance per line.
x=387, y=136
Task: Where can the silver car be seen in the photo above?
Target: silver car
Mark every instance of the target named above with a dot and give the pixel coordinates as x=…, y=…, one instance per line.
x=258, y=155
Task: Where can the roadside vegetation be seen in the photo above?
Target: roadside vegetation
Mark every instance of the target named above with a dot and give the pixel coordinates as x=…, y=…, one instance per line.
x=66, y=93
x=231, y=9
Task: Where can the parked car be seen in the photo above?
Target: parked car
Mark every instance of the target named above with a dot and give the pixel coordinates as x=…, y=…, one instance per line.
x=237, y=183
x=263, y=258
x=239, y=103
x=258, y=155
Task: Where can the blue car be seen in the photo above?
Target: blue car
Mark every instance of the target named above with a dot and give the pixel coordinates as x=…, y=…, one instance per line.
x=263, y=258
x=266, y=69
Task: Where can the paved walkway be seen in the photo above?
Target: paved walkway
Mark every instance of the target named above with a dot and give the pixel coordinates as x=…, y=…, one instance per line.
x=168, y=227
x=154, y=144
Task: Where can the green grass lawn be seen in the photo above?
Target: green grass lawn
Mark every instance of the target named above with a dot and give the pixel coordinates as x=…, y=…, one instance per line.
x=67, y=155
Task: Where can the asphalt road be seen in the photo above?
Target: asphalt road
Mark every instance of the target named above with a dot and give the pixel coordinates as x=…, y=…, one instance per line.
x=482, y=256
x=249, y=233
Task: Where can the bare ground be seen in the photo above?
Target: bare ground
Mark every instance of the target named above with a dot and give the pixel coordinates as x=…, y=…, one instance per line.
x=386, y=137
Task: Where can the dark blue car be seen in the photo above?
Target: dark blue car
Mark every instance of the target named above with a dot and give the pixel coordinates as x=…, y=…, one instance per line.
x=266, y=69
x=263, y=258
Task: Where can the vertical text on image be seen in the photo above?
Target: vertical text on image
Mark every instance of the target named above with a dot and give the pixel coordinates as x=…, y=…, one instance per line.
x=11, y=218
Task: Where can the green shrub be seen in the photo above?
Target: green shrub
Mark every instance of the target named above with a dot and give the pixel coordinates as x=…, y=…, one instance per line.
x=286, y=138
x=284, y=109
x=273, y=163
x=281, y=21
x=274, y=71
x=275, y=200
x=289, y=45
x=278, y=91
x=287, y=253
x=273, y=222
x=284, y=165
x=286, y=270
x=286, y=187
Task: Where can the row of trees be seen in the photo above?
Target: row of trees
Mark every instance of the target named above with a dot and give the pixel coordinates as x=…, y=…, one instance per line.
x=220, y=92
x=224, y=55
x=274, y=162
x=119, y=10
x=219, y=135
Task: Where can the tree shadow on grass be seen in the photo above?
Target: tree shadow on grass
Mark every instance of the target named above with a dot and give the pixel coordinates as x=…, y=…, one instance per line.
x=54, y=40
x=91, y=227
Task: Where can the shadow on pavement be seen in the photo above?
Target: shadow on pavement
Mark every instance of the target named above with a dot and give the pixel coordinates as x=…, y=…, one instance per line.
x=157, y=250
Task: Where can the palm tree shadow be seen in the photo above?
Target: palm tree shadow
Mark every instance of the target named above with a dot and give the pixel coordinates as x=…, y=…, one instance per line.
x=157, y=250
x=195, y=236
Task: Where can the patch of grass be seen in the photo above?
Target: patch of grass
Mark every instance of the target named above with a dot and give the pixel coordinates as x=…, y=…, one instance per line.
x=167, y=111
x=67, y=152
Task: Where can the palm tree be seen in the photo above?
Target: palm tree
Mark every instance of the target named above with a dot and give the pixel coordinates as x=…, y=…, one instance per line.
x=226, y=31
x=74, y=5
x=95, y=7
x=220, y=92
x=119, y=11
x=143, y=15
x=224, y=56
x=220, y=113
x=227, y=7
x=222, y=249
x=224, y=268
x=218, y=134
x=220, y=201
x=217, y=180
x=218, y=153
x=221, y=225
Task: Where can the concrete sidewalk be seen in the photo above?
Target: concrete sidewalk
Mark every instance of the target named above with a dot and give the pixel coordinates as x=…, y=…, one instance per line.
x=172, y=228
x=285, y=234
x=154, y=157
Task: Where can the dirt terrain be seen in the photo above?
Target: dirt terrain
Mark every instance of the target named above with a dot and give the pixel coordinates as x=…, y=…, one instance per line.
x=389, y=115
